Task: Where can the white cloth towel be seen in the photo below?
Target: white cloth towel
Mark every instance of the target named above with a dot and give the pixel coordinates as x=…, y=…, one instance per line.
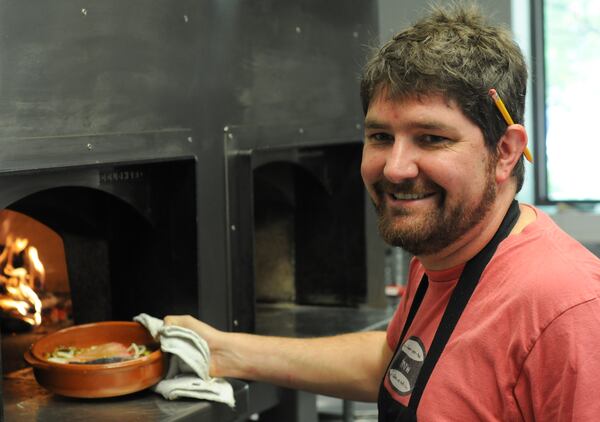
x=188, y=363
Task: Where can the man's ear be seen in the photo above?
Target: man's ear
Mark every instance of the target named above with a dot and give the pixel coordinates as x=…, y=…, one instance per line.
x=510, y=149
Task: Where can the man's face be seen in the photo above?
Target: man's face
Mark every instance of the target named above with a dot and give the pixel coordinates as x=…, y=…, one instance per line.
x=427, y=170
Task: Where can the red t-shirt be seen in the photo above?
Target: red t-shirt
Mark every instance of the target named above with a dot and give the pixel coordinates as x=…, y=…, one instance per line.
x=527, y=346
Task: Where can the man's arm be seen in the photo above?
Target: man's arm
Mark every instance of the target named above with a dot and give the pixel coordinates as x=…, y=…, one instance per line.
x=348, y=366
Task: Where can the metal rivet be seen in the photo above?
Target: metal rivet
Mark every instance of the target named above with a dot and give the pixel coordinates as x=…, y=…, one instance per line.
x=235, y=322
x=233, y=228
x=358, y=126
x=355, y=34
x=230, y=135
x=226, y=129
x=84, y=12
x=185, y=18
x=298, y=30
x=90, y=147
x=189, y=139
x=301, y=131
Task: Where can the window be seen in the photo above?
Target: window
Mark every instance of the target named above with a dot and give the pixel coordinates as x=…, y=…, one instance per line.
x=566, y=81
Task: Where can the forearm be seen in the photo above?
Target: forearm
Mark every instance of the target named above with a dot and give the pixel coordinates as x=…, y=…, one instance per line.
x=348, y=366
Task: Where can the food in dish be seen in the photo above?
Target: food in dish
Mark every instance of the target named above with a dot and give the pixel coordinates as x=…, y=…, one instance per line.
x=102, y=353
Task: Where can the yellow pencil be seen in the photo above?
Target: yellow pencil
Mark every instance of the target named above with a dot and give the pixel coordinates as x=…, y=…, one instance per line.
x=509, y=121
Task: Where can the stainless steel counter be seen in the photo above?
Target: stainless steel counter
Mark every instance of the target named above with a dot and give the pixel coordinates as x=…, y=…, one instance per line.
x=25, y=400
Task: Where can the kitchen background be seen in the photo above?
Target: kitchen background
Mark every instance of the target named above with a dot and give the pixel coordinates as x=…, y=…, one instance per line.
x=166, y=145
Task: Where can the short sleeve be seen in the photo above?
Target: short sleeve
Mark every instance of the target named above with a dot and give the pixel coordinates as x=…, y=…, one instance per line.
x=560, y=377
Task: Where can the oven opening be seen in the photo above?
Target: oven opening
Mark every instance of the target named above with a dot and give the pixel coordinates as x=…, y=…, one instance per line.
x=309, y=229
x=122, y=245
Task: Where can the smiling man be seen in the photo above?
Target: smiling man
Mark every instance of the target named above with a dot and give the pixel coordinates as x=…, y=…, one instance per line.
x=501, y=313
x=427, y=170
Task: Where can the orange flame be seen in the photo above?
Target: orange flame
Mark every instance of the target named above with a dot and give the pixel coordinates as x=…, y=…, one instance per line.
x=18, y=298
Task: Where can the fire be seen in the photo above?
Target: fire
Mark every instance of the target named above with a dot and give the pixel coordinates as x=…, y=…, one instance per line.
x=21, y=273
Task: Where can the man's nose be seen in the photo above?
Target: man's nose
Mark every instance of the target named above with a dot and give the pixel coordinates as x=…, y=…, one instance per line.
x=401, y=162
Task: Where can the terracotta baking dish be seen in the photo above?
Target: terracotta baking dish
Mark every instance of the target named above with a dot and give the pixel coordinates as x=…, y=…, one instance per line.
x=96, y=380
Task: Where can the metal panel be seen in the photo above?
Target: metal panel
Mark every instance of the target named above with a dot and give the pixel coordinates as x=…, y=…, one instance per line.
x=79, y=67
x=113, y=70
x=115, y=81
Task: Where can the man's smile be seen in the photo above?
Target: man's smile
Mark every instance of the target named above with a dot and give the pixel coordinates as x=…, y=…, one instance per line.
x=408, y=194
x=411, y=196
x=409, y=203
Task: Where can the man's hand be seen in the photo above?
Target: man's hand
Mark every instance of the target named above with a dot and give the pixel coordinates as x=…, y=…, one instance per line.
x=212, y=336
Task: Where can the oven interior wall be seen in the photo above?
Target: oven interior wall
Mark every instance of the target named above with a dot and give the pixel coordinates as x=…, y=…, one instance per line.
x=330, y=229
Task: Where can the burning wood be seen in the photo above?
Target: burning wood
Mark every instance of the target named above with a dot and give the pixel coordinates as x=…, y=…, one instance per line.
x=21, y=274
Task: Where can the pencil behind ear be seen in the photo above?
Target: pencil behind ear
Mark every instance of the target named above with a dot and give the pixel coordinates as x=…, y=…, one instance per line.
x=510, y=149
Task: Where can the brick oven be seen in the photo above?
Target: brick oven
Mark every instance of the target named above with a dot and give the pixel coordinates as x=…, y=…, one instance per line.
x=191, y=156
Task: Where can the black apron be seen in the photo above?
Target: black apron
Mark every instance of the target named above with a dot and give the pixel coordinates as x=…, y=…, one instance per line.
x=390, y=409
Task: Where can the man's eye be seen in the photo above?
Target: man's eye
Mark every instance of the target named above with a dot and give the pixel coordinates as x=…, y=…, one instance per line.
x=381, y=137
x=432, y=139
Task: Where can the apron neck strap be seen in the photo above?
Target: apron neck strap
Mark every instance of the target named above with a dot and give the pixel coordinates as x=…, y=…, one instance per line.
x=458, y=301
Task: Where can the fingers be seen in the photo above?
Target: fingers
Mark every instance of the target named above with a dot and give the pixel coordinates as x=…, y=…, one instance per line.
x=182, y=320
x=187, y=321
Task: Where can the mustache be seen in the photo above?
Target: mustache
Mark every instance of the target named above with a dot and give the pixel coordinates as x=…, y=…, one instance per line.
x=406, y=187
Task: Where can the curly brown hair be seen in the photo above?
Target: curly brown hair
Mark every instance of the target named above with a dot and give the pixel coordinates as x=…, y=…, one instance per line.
x=456, y=53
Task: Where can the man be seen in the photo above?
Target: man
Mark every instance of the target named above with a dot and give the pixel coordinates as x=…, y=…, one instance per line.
x=501, y=316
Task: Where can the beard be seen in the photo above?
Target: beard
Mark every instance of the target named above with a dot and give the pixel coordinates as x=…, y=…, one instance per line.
x=439, y=227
